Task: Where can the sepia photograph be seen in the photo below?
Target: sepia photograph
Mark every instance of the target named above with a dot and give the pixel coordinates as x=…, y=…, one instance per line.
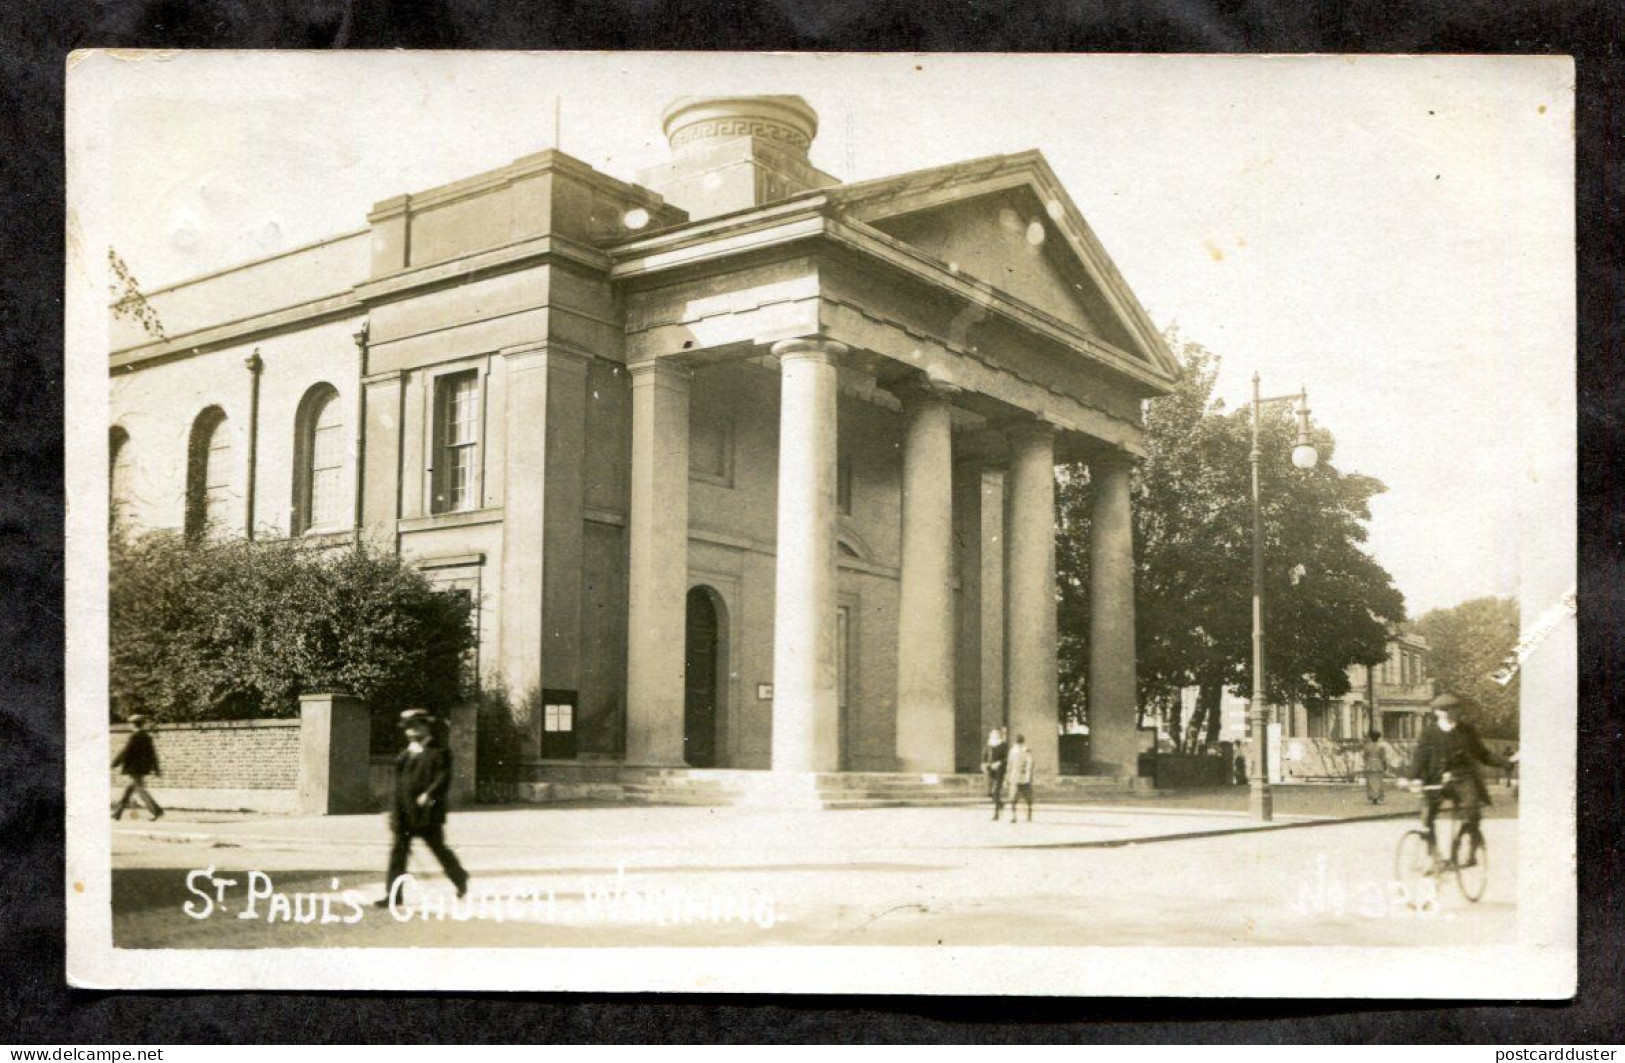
x=910, y=523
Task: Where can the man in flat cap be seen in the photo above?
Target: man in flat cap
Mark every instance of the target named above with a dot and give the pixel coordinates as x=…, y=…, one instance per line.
x=1448, y=756
x=139, y=759
x=422, y=781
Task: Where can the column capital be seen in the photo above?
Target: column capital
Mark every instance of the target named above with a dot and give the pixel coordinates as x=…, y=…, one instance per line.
x=1028, y=428
x=523, y=356
x=811, y=349
x=1112, y=459
x=660, y=371
x=982, y=462
x=924, y=390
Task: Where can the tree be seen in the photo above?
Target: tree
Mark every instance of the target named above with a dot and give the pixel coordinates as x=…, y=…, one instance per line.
x=232, y=629
x=1326, y=599
x=1467, y=644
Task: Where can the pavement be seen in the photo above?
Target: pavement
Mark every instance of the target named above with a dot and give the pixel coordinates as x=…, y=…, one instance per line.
x=1173, y=868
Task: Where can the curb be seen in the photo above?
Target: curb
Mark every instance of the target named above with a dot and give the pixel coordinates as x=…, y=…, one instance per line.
x=1118, y=843
x=181, y=837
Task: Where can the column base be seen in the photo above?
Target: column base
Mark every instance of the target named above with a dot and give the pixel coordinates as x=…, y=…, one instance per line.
x=793, y=790
x=1113, y=767
x=915, y=766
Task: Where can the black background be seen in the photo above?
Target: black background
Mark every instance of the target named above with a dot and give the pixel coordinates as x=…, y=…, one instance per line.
x=36, y=1004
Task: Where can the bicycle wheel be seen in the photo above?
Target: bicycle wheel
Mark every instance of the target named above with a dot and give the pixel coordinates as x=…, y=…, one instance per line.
x=1472, y=869
x=1412, y=861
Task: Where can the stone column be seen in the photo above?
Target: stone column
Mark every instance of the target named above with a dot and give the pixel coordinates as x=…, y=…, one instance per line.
x=1114, y=748
x=992, y=612
x=564, y=533
x=805, y=707
x=335, y=760
x=1031, y=697
x=658, y=570
x=968, y=682
x=925, y=606
x=545, y=421
x=381, y=470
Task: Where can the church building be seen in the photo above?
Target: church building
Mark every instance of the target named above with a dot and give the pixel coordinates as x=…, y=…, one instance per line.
x=743, y=467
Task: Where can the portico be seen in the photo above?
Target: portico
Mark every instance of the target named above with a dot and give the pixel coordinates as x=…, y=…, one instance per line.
x=806, y=557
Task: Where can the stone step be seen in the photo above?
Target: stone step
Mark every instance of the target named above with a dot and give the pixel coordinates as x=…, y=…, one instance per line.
x=696, y=792
x=721, y=787
x=901, y=793
x=692, y=800
x=682, y=774
x=846, y=778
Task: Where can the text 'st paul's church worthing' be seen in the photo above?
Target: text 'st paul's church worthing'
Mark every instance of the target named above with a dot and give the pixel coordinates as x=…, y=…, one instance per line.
x=749, y=467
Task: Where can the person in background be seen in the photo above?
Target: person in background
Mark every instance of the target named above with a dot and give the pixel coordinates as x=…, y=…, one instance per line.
x=139, y=759
x=995, y=758
x=1375, y=753
x=1019, y=770
x=422, y=782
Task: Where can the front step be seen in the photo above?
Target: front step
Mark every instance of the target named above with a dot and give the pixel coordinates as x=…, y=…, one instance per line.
x=842, y=790
x=723, y=787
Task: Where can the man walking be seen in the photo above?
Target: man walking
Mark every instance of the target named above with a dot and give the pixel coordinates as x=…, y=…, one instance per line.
x=995, y=756
x=422, y=781
x=1019, y=770
x=138, y=758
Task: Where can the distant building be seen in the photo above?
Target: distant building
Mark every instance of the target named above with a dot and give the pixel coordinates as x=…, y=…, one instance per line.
x=1391, y=697
x=1399, y=688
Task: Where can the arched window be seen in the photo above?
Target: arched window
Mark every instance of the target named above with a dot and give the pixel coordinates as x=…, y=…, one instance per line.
x=118, y=473
x=208, y=474
x=318, y=488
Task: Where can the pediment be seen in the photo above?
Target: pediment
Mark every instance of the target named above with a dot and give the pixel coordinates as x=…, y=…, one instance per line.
x=1008, y=223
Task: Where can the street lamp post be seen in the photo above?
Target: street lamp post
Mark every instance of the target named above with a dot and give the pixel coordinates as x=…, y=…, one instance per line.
x=1260, y=802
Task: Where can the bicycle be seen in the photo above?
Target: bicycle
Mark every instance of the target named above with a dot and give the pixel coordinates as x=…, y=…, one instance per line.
x=1418, y=859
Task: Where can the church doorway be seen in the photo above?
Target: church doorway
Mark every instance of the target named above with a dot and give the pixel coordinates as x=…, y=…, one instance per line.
x=702, y=685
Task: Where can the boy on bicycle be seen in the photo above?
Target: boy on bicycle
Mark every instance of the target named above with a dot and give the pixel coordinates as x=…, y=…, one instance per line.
x=1447, y=759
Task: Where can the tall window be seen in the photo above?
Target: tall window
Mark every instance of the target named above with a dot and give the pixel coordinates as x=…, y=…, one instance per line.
x=118, y=474
x=319, y=501
x=457, y=446
x=208, y=474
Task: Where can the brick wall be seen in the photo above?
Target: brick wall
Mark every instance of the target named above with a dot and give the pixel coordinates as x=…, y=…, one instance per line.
x=235, y=754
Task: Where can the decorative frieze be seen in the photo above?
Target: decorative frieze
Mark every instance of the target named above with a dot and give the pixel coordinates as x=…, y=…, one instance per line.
x=741, y=127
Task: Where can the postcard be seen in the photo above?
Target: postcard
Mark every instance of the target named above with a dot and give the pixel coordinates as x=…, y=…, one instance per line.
x=908, y=524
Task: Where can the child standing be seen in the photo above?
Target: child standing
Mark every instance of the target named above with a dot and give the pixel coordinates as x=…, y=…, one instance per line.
x=1020, y=773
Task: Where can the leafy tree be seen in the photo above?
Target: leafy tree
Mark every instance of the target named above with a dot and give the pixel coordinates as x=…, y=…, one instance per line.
x=1325, y=597
x=1468, y=643
x=218, y=629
